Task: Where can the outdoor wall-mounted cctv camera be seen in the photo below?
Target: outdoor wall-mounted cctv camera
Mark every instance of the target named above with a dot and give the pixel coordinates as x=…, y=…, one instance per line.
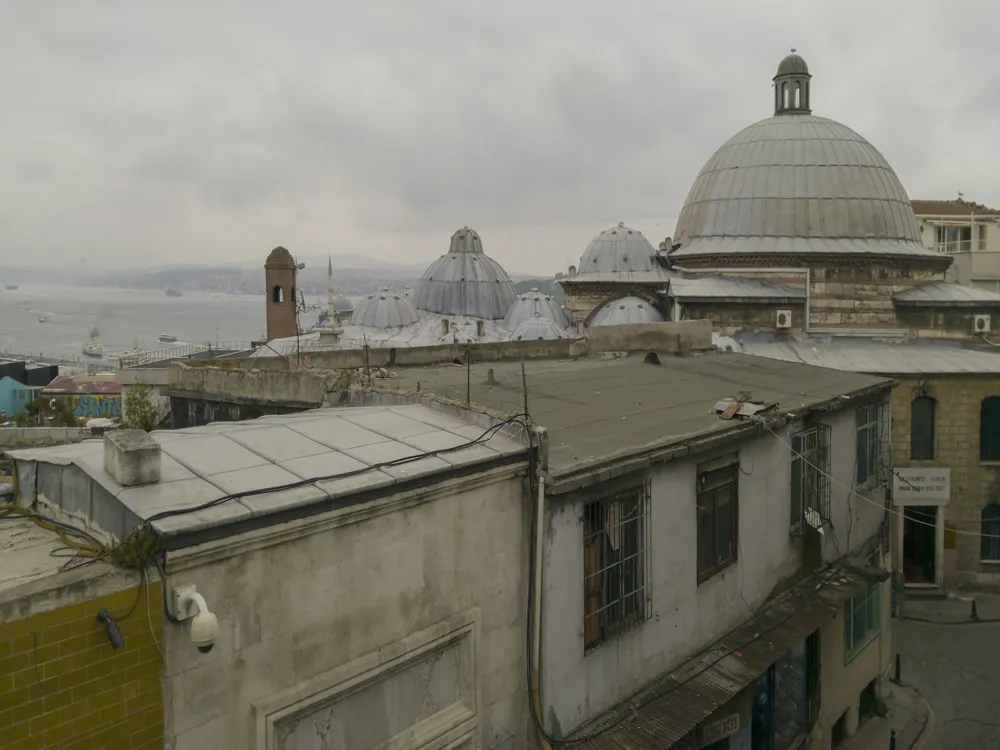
x=190, y=605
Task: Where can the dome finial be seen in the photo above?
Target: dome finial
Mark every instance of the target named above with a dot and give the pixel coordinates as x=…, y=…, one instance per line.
x=794, y=50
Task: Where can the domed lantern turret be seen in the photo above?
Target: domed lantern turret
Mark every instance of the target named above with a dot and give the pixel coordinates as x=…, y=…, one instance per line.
x=791, y=86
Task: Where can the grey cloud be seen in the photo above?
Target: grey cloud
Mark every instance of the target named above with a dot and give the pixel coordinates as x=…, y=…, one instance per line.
x=220, y=127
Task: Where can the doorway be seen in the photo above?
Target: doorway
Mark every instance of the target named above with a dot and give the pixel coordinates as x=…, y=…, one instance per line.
x=920, y=545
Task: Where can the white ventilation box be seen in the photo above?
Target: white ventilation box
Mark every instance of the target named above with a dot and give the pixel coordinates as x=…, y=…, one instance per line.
x=783, y=319
x=980, y=323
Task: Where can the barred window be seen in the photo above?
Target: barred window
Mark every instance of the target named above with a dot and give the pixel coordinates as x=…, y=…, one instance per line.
x=989, y=529
x=718, y=517
x=616, y=577
x=872, y=445
x=810, y=478
x=863, y=615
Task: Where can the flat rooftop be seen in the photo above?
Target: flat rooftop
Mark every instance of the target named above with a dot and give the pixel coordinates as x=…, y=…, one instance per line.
x=314, y=457
x=598, y=411
x=27, y=552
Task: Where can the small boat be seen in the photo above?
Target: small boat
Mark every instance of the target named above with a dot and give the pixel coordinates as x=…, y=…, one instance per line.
x=93, y=348
x=171, y=292
x=43, y=318
x=168, y=338
x=10, y=287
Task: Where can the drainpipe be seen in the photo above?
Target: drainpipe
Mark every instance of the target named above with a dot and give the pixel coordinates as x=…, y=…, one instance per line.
x=536, y=608
x=805, y=323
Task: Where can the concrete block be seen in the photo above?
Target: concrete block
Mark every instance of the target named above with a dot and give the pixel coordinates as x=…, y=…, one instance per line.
x=132, y=457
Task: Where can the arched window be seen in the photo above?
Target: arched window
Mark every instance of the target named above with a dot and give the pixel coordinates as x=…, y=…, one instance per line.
x=798, y=95
x=277, y=294
x=922, y=428
x=989, y=429
x=989, y=528
x=784, y=96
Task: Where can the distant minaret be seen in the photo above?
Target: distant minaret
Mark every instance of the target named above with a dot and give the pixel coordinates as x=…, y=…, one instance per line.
x=333, y=317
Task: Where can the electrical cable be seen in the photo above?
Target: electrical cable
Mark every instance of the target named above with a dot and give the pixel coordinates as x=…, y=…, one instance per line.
x=853, y=493
x=488, y=435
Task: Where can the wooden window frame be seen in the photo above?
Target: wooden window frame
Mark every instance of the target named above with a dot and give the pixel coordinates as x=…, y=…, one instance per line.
x=712, y=479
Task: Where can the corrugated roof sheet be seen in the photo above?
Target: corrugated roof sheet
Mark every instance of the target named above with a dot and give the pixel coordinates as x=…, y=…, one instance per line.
x=732, y=288
x=798, y=176
x=81, y=386
x=598, y=411
x=685, y=697
x=881, y=357
x=202, y=464
x=943, y=293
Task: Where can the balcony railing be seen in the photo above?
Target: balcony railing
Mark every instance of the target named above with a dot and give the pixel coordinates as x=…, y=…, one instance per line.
x=961, y=246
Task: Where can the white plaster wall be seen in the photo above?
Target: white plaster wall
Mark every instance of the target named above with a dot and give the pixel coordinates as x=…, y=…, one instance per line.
x=577, y=688
x=296, y=611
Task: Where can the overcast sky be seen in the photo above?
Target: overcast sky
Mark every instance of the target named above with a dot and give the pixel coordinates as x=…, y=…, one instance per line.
x=143, y=133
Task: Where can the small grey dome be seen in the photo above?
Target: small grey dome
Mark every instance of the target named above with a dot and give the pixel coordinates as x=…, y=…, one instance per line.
x=539, y=328
x=342, y=304
x=792, y=65
x=618, y=250
x=384, y=310
x=532, y=304
x=625, y=311
x=465, y=281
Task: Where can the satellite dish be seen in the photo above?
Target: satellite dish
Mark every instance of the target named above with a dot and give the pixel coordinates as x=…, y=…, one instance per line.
x=52, y=403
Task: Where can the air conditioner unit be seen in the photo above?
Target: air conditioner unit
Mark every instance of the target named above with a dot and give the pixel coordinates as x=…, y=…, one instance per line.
x=980, y=323
x=783, y=319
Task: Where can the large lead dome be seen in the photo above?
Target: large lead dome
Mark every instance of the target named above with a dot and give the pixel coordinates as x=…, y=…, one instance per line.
x=465, y=281
x=797, y=184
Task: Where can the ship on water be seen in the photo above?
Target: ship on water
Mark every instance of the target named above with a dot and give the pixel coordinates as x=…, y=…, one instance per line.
x=93, y=348
x=10, y=287
x=168, y=338
x=171, y=292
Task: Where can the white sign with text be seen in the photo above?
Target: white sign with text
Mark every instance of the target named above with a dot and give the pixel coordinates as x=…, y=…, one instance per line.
x=912, y=485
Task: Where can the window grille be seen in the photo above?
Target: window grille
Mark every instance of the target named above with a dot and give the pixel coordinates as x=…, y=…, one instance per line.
x=616, y=573
x=863, y=615
x=718, y=519
x=872, y=458
x=810, y=478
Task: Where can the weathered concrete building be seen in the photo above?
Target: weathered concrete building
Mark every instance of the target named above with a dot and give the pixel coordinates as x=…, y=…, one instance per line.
x=683, y=595
x=342, y=576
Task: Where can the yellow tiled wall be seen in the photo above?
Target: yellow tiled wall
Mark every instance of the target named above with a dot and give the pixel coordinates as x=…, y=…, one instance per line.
x=63, y=686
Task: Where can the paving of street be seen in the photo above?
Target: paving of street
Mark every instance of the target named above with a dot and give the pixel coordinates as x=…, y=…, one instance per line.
x=955, y=665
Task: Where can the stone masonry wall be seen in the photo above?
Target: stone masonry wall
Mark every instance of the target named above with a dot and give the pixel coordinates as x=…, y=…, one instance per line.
x=582, y=298
x=974, y=484
x=860, y=296
x=733, y=318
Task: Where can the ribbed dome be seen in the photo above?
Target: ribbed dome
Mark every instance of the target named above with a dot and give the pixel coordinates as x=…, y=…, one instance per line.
x=384, y=310
x=534, y=304
x=539, y=328
x=625, y=310
x=795, y=184
x=792, y=65
x=618, y=250
x=465, y=281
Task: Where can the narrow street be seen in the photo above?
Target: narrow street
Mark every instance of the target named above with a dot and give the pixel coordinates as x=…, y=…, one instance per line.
x=954, y=665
